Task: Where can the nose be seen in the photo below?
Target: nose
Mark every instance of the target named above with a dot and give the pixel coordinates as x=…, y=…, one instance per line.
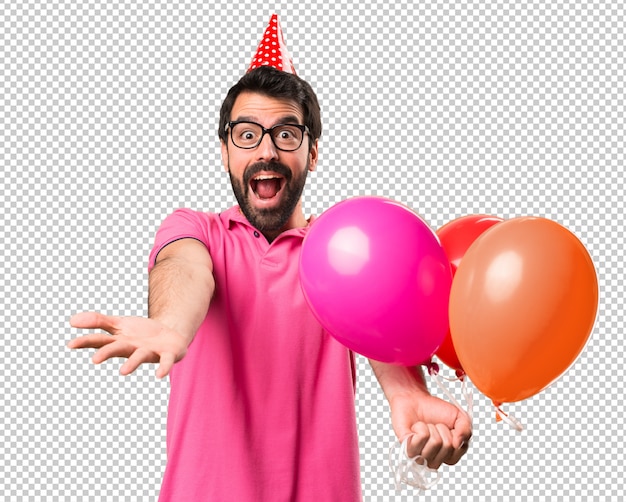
x=267, y=149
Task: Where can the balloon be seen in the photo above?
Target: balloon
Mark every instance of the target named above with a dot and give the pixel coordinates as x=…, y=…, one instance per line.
x=377, y=279
x=456, y=237
x=522, y=306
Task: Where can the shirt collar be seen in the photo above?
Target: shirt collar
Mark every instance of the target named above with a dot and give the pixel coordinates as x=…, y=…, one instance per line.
x=233, y=216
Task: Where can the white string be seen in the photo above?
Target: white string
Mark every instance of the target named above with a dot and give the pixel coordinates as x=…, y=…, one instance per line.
x=509, y=419
x=412, y=471
x=433, y=371
x=469, y=399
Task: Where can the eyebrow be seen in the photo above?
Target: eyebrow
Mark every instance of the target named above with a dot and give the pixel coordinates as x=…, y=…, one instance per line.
x=285, y=119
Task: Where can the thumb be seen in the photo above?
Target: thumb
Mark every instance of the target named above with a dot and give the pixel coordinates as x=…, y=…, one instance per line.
x=462, y=431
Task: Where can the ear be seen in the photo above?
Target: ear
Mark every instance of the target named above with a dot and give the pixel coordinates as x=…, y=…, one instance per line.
x=313, y=156
x=224, y=147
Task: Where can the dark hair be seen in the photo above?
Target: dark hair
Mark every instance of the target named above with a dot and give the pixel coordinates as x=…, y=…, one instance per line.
x=277, y=84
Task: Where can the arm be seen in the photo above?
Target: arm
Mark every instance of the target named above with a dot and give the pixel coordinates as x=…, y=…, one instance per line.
x=181, y=285
x=441, y=430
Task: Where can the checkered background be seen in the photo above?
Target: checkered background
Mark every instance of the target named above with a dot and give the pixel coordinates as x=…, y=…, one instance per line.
x=108, y=117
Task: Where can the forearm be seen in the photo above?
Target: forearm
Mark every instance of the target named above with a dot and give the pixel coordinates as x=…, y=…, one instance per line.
x=179, y=294
x=397, y=380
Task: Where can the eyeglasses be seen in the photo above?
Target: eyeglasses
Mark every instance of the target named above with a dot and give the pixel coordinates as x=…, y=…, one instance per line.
x=247, y=135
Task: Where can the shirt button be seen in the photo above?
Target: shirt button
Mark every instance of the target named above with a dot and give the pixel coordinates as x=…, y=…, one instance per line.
x=257, y=234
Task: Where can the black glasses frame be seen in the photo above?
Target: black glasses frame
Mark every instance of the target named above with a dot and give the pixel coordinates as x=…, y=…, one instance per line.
x=265, y=131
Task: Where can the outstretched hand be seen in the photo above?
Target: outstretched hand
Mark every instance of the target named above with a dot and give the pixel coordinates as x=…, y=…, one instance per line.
x=139, y=339
x=441, y=431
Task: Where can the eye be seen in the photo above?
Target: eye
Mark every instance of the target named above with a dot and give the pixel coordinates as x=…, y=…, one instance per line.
x=246, y=134
x=287, y=133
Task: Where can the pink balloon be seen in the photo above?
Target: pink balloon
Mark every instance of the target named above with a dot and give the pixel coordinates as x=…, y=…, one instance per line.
x=377, y=278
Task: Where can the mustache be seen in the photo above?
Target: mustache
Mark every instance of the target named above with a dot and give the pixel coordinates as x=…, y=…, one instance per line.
x=256, y=168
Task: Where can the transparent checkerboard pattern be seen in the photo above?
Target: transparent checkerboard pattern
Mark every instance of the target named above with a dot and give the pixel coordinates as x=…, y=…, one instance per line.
x=108, y=117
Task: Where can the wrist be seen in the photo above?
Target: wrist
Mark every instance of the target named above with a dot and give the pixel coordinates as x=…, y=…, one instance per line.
x=175, y=325
x=397, y=381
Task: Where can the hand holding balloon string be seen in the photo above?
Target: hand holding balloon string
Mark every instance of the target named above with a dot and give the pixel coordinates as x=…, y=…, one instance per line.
x=413, y=470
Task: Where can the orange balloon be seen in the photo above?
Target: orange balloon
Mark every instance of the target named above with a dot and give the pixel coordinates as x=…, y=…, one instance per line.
x=522, y=306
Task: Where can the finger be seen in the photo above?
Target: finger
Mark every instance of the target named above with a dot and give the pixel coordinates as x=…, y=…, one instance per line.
x=421, y=434
x=138, y=357
x=166, y=364
x=116, y=348
x=458, y=453
x=94, y=320
x=94, y=341
x=447, y=449
x=432, y=448
x=462, y=429
x=461, y=437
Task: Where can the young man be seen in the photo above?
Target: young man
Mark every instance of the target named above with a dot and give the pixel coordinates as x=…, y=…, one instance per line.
x=262, y=398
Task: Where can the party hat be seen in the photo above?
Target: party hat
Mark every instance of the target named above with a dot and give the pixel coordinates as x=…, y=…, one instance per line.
x=272, y=50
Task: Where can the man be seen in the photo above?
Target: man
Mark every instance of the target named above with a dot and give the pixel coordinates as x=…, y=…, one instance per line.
x=262, y=398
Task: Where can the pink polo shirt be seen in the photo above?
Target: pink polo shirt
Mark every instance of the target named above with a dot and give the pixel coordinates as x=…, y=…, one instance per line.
x=262, y=406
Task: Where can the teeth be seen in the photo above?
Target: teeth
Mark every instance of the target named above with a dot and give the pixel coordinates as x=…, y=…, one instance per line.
x=264, y=177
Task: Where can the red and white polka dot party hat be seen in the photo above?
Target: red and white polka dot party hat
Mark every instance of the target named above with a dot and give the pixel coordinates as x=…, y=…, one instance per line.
x=272, y=50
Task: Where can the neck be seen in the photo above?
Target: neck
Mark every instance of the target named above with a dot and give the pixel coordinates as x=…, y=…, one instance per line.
x=296, y=220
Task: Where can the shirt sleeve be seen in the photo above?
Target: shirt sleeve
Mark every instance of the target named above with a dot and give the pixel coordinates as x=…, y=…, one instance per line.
x=181, y=224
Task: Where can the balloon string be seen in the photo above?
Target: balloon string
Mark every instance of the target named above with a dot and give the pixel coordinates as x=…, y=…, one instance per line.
x=433, y=370
x=412, y=471
x=509, y=419
x=469, y=398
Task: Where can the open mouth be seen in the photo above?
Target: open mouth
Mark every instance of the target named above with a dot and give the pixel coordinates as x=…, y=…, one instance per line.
x=267, y=186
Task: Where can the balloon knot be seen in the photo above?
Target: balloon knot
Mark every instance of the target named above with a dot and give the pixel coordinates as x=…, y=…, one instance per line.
x=433, y=368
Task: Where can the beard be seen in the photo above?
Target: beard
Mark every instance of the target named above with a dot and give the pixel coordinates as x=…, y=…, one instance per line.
x=270, y=219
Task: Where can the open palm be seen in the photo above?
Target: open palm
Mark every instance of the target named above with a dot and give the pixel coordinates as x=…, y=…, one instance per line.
x=139, y=339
